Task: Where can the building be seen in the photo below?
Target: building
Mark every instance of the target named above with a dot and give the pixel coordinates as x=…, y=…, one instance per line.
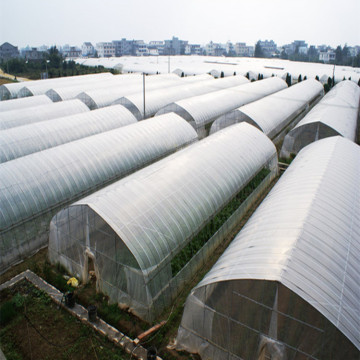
x=105, y=49
x=87, y=49
x=241, y=49
x=71, y=52
x=8, y=51
x=32, y=54
x=214, y=49
x=193, y=49
x=269, y=47
x=175, y=46
x=327, y=56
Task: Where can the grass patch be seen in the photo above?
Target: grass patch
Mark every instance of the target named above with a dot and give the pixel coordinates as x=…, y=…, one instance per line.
x=36, y=328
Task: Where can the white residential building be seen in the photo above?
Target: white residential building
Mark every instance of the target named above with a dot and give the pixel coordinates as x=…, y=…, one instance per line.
x=105, y=49
x=87, y=49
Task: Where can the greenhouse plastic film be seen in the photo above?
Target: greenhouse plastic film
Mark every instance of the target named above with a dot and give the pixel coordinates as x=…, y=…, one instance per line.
x=336, y=114
x=27, y=139
x=175, y=198
x=304, y=241
x=34, y=186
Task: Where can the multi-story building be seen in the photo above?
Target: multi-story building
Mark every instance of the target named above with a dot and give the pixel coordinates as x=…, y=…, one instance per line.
x=327, y=56
x=105, y=49
x=230, y=49
x=87, y=49
x=71, y=52
x=159, y=45
x=193, y=49
x=268, y=47
x=175, y=46
x=8, y=51
x=32, y=54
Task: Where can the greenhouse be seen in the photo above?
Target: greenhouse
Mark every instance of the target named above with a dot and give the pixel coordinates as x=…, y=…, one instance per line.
x=287, y=287
x=336, y=114
x=24, y=140
x=96, y=99
x=33, y=188
x=34, y=114
x=141, y=233
x=70, y=92
x=200, y=111
x=158, y=98
x=10, y=91
x=41, y=86
x=16, y=104
x=274, y=113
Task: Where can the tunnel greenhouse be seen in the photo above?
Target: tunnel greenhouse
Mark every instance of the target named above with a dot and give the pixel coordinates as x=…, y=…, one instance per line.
x=287, y=287
x=134, y=231
x=34, y=187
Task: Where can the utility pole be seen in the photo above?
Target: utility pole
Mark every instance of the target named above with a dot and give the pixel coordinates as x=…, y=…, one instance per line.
x=144, y=93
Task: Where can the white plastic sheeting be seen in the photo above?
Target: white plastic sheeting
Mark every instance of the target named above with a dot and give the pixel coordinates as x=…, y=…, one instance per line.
x=33, y=187
x=201, y=111
x=40, y=87
x=27, y=139
x=96, y=99
x=70, y=92
x=157, y=99
x=134, y=227
x=15, y=104
x=14, y=118
x=336, y=114
x=293, y=273
x=273, y=113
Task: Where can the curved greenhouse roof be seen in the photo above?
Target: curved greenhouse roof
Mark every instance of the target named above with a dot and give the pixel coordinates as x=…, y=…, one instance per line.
x=15, y=104
x=14, y=118
x=70, y=92
x=10, y=91
x=155, y=212
x=96, y=99
x=40, y=87
x=201, y=110
x=40, y=183
x=273, y=113
x=294, y=263
x=158, y=98
x=336, y=114
x=28, y=139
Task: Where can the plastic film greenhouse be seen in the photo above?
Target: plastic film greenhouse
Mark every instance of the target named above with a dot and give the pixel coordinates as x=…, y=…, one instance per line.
x=15, y=104
x=70, y=92
x=34, y=187
x=28, y=139
x=14, y=118
x=99, y=98
x=200, y=111
x=287, y=287
x=274, y=113
x=336, y=114
x=41, y=86
x=159, y=98
x=141, y=233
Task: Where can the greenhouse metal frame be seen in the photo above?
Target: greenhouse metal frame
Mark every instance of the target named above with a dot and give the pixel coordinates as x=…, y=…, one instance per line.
x=34, y=187
x=134, y=229
x=336, y=114
x=287, y=287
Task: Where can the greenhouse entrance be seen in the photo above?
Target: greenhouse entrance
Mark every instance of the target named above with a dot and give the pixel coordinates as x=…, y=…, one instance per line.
x=90, y=270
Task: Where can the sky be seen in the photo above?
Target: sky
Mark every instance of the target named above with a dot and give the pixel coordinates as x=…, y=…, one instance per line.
x=50, y=22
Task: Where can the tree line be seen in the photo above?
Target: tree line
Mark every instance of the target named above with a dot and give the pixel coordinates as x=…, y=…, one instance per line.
x=53, y=64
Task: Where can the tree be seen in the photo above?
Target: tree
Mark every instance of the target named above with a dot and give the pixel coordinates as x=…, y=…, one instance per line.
x=258, y=50
x=288, y=79
x=55, y=58
x=284, y=55
x=338, y=55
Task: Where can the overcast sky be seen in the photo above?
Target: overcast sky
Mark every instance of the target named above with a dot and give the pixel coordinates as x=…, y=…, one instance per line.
x=37, y=22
